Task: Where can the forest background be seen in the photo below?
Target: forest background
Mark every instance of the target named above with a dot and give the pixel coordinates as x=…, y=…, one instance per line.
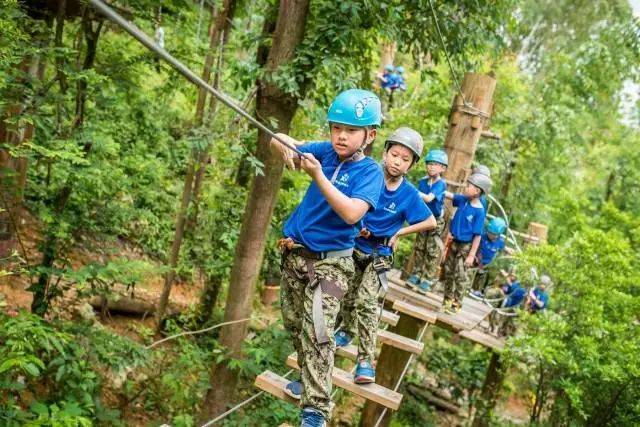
x=100, y=141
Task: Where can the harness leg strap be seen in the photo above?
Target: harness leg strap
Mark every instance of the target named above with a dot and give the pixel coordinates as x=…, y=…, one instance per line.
x=319, y=287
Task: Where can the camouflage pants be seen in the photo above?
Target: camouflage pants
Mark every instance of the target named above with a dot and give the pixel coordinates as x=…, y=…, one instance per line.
x=360, y=310
x=315, y=359
x=456, y=276
x=428, y=252
x=483, y=278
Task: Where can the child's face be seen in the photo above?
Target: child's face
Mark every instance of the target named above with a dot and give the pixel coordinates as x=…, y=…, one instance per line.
x=492, y=236
x=435, y=169
x=471, y=191
x=346, y=140
x=397, y=160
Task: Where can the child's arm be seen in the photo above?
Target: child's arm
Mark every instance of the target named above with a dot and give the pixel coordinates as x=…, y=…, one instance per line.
x=449, y=195
x=351, y=210
x=427, y=197
x=419, y=227
x=475, y=244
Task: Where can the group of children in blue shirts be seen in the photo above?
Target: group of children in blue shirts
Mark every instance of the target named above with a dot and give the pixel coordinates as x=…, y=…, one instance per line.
x=392, y=78
x=347, y=226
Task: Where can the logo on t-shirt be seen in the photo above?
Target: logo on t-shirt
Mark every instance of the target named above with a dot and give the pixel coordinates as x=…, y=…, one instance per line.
x=469, y=218
x=391, y=208
x=343, y=180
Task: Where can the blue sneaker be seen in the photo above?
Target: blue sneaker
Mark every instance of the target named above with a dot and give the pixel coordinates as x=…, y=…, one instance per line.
x=424, y=287
x=343, y=338
x=412, y=281
x=294, y=389
x=365, y=373
x=311, y=418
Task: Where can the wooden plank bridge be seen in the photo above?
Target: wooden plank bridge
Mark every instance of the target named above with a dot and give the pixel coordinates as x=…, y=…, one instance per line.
x=404, y=303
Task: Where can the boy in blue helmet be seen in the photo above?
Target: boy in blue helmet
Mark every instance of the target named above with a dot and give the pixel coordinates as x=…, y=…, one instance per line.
x=319, y=237
x=373, y=255
x=387, y=79
x=399, y=82
x=465, y=230
x=491, y=244
x=429, y=246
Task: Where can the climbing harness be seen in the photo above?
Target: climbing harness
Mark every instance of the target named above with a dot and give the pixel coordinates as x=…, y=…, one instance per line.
x=185, y=71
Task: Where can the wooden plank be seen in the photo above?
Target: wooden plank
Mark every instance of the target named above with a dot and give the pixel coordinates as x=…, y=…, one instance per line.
x=389, y=318
x=348, y=352
x=415, y=311
x=373, y=392
x=274, y=384
x=483, y=339
x=400, y=342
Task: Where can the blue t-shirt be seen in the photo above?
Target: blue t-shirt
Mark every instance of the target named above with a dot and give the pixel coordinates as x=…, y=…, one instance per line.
x=388, y=80
x=468, y=220
x=542, y=296
x=394, y=208
x=483, y=200
x=437, y=188
x=314, y=223
x=515, y=295
x=489, y=249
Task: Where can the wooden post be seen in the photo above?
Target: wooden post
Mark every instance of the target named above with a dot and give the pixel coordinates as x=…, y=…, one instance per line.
x=466, y=125
x=390, y=366
x=490, y=391
x=538, y=230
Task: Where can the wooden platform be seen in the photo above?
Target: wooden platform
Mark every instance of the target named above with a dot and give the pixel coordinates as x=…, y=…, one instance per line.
x=400, y=342
x=373, y=392
x=428, y=307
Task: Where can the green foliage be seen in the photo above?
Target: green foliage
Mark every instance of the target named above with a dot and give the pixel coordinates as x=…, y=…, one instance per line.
x=48, y=375
x=584, y=354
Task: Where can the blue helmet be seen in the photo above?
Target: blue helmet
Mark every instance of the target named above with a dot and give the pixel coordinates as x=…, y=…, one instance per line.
x=356, y=107
x=497, y=226
x=400, y=69
x=388, y=67
x=438, y=156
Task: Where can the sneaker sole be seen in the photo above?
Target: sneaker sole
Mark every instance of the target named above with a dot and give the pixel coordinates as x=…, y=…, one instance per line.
x=291, y=395
x=364, y=380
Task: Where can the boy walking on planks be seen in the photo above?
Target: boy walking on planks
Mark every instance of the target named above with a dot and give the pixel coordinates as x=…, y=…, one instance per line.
x=373, y=255
x=318, y=241
x=465, y=231
x=429, y=245
x=491, y=244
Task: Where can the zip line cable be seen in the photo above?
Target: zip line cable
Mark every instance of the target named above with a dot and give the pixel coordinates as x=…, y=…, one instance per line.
x=446, y=53
x=184, y=70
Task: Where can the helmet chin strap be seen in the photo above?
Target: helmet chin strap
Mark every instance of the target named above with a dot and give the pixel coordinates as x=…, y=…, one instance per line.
x=360, y=151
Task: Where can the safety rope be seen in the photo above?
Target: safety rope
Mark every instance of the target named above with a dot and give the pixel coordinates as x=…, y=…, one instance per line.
x=454, y=75
x=239, y=405
x=185, y=71
x=199, y=331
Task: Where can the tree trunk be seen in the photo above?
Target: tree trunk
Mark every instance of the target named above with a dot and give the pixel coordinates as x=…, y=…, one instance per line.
x=272, y=103
x=216, y=24
x=463, y=134
x=41, y=292
x=490, y=391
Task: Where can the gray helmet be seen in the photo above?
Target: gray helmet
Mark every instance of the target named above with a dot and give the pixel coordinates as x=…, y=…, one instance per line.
x=407, y=137
x=482, y=170
x=481, y=181
x=545, y=280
